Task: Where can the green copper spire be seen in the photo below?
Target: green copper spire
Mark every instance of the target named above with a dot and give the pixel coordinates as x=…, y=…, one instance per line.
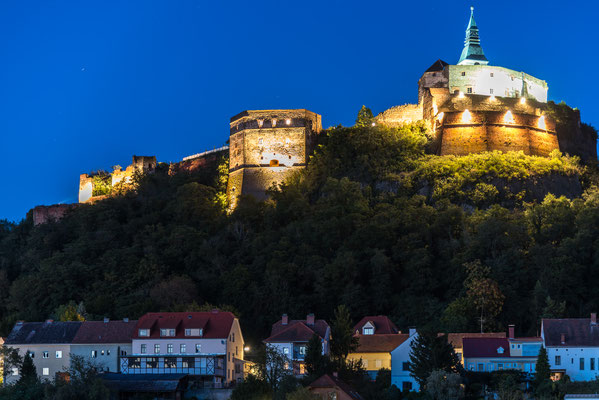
x=472, y=53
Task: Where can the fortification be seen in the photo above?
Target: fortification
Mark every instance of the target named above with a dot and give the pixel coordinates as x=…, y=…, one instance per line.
x=266, y=147
x=99, y=185
x=474, y=107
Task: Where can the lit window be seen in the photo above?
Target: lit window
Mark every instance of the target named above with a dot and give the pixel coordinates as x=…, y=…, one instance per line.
x=379, y=364
x=144, y=332
x=274, y=123
x=198, y=348
x=102, y=353
x=45, y=354
x=183, y=349
x=368, y=330
x=167, y=332
x=170, y=362
x=46, y=371
x=187, y=332
x=58, y=354
x=169, y=348
x=94, y=353
x=285, y=350
x=15, y=371
x=156, y=349
x=144, y=348
x=302, y=350
x=260, y=123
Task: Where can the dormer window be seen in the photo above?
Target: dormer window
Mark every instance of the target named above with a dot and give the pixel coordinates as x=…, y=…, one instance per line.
x=144, y=332
x=500, y=350
x=194, y=332
x=368, y=330
x=167, y=332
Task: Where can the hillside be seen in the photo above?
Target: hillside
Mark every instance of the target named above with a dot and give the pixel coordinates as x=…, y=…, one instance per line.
x=374, y=222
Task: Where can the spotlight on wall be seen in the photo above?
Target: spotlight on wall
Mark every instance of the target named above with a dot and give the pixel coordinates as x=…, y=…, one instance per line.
x=492, y=98
x=541, y=122
x=288, y=121
x=508, y=117
x=440, y=116
x=374, y=123
x=522, y=100
x=260, y=123
x=466, y=117
x=461, y=95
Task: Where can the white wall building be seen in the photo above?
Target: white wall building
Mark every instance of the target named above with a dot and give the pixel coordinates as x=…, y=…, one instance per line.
x=572, y=347
x=400, y=357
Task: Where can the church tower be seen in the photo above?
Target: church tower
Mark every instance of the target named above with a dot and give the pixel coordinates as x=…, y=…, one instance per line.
x=473, y=53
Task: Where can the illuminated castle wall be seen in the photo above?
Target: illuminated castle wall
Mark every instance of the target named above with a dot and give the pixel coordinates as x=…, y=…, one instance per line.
x=267, y=146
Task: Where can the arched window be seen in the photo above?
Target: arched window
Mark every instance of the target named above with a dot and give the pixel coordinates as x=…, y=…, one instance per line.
x=274, y=163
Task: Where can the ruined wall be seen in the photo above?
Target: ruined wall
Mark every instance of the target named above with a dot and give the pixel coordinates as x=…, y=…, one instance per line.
x=400, y=115
x=198, y=162
x=265, y=146
x=45, y=214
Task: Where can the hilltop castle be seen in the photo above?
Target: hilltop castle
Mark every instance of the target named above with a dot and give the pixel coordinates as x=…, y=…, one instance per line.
x=470, y=107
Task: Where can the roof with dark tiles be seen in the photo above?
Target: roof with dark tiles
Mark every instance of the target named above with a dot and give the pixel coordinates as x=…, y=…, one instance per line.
x=48, y=332
x=578, y=332
x=105, y=332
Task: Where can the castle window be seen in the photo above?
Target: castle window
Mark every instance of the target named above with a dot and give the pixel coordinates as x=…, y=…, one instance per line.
x=260, y=141
x=260, y=123
x=463, y=73
x=274, y=123
x=274, y=163
x=469, y=90
x=491, y=91
x=492, y=74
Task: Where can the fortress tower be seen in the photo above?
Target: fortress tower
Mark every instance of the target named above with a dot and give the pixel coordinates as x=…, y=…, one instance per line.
x=266, y=146
x=473, y=107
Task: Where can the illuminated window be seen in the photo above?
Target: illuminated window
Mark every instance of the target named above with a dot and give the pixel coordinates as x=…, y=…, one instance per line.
x=285, y=350
x=152, y=362
x=169, y=348
x=167, y=332
x=46, y=371
x=144, y=332
x=260, y=123
x=378, y=364
x=94, y=353
x=198, y=348
x=156, y=349
x=183, y=349
x=274, y=123
x=274, y=163
x=170, y=362
x=368, y=330
x=143, y=349
x=15, y=371
x=188, y=362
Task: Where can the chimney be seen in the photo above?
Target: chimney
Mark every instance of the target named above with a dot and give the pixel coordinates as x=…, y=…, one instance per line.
x=412, y=331
x=593, y=318
x=310, y=319
x=285, y=320
x=563, y=338
x=511, y=329
x=106, y=320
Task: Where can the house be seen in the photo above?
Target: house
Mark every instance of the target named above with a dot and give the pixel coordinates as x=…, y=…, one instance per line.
x=48, y=343
x=572, y=347
x=104, y=342
x=291, y=338
x=378, y=337
x=208, y=346
x=400, y=358
x=456, y=340
x=486, y=354
x=330, y=387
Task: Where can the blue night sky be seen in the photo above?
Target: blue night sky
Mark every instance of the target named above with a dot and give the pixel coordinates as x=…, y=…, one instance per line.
x=85, y=84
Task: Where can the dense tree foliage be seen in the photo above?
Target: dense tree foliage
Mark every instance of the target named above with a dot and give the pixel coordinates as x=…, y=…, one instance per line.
x=374, y=222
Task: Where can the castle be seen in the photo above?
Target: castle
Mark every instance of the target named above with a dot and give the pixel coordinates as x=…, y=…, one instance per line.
x=470, y=107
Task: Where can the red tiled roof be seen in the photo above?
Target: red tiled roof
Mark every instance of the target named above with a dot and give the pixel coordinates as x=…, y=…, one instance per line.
x=382, y=325
x=328, y=381
x=380, y=343
x=215, y=324
x=455, y=339
x=577, y=332
x=297, y=331
x=105, y=332
x=485, y=347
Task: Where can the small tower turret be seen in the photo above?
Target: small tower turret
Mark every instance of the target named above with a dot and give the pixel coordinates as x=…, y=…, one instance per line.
x=472, y=54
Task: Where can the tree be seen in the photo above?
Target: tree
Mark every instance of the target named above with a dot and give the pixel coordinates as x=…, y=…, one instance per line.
x=441, y=385
x=70, y=312
x=483, y=291
x=431, y=352
x=28, y=372
x=365, y=117
x=252, y=388
x=275, y=368
x=11, y=359
x=300, y=393
x=542, y=369
x=315, y=361
x=343, y=341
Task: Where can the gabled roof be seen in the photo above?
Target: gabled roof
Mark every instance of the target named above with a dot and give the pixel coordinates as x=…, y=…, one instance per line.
x=438, y=65
x=296, y=331
x=380, y=343
x=328, y=381
x=93, y=332
x=215, y=324
x=382, y=325
x=486, y=347
x=456, y=339
x=577, y=332
x=43, y=332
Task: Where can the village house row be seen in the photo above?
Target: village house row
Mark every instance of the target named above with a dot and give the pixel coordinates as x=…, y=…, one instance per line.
x=207, y=349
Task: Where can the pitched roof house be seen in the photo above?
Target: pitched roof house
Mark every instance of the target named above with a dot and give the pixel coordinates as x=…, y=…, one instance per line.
x=208, y=345
x=104, y=342
x=291, y=338
x=48, y=343
x=331, y=387
x=378, y=337
x=572, y=347
x=457, y=340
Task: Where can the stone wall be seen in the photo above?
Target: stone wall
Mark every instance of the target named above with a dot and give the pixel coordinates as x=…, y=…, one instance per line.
x=202, y=161
x=400, y=115
x=44, y=214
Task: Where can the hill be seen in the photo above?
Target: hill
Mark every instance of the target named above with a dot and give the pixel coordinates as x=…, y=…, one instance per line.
x=373, y=222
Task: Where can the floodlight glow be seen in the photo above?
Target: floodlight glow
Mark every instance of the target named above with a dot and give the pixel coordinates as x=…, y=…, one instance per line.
x=541, y=123
x=466, y=117
x=509, y=117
